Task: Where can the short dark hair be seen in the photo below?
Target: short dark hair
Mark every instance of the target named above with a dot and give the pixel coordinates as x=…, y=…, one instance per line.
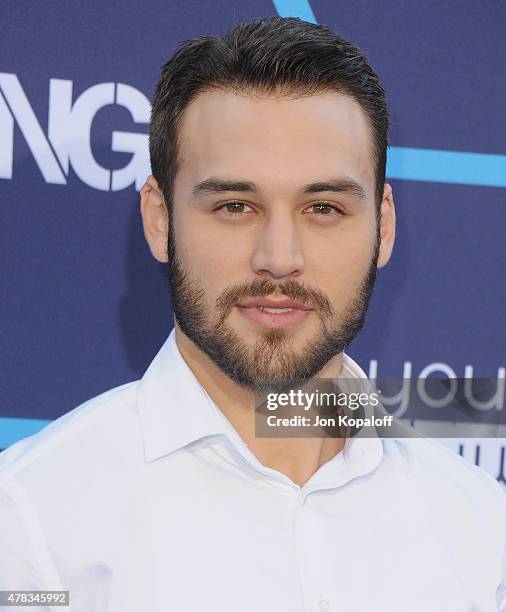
x=271, y=55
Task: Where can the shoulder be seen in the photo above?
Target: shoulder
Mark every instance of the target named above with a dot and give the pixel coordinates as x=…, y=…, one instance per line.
x=437, y=475
x=429, y=459
x=53, y=478
x=97, y=426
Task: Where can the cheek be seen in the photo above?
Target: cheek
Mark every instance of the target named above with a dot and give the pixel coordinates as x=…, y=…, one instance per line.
x=337, y=264
x=215, y=260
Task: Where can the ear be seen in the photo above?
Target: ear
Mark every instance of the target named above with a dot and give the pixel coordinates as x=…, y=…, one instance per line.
x=387, y=227
x=155, y=219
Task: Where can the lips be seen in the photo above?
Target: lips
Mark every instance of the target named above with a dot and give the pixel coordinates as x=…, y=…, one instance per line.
x=272, y=304
x=274, y=313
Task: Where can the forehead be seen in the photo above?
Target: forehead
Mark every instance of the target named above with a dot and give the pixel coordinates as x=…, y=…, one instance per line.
x=275, y=140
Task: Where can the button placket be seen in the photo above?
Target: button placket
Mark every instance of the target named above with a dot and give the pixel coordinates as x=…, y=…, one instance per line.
x=323, y=606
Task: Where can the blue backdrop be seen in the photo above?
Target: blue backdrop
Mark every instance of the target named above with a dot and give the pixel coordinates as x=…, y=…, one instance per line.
x=84, y=307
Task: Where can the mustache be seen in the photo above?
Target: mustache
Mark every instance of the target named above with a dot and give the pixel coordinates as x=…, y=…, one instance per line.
x=262, y=287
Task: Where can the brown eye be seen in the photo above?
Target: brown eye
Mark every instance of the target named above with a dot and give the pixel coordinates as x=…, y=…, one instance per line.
x=234, y=208
x=324, y=208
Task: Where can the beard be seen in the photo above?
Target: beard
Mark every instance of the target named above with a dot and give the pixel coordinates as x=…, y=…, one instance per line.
x=271, y=364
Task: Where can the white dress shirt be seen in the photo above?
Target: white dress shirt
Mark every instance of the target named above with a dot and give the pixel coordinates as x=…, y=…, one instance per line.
x=146, y=499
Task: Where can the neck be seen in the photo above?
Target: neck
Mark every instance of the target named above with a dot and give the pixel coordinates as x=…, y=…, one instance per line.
x=297, y=458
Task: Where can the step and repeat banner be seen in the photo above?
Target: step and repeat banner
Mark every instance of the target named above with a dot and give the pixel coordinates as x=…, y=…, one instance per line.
x=83, y=305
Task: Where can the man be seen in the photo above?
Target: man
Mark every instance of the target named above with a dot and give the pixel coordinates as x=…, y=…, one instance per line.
x=269, y=204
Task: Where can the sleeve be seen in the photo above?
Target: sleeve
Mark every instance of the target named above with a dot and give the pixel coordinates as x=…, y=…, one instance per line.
x=19, y=566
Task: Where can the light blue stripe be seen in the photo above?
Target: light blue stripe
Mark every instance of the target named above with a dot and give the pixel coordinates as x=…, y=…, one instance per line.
x=295, y=8
x=446, y=166
x=13, y=429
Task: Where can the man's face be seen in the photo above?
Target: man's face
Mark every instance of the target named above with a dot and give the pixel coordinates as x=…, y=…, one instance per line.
x=273, y=238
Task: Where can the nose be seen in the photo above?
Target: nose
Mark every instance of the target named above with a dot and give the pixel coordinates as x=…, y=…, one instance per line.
x=278, y=250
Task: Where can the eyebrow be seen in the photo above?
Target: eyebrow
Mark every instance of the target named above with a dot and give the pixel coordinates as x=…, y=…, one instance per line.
x=338, y=185
x=222, y=185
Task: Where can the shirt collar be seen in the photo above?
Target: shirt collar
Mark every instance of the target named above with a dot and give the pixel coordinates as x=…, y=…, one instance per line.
x=173, y=407
x=174, y=410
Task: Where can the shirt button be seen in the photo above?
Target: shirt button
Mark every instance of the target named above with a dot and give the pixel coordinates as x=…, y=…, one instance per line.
x=323, y=605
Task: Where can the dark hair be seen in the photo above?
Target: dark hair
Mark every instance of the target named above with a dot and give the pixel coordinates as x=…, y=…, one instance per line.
x=270, y=55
